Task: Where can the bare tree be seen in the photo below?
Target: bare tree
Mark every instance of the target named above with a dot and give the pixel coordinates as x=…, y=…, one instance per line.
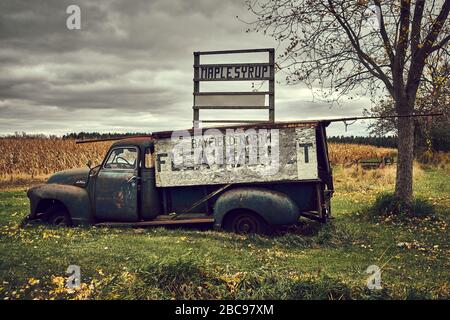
x=433, y=96
x=362, y=47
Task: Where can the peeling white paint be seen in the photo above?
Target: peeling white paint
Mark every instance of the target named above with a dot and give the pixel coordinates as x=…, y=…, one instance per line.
x=293, y=158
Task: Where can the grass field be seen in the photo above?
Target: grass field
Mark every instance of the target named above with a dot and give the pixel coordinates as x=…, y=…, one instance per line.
x=312, y=261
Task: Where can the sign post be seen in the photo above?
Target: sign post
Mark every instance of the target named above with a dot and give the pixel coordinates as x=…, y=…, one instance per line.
x=263, y=71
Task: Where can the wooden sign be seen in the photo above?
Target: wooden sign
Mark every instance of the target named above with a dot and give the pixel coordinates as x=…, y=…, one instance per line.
x=221, y=157
x=244, y=99
x=230, y=100
x=254, y=71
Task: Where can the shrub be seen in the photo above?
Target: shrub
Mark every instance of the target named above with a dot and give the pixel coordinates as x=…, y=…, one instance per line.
x=440, y=137
x=435, y=159
x=422, y=208
x=388, y=204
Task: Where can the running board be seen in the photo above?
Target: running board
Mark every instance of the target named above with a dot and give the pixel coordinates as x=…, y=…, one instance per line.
x=155, y=223
x=311, y=215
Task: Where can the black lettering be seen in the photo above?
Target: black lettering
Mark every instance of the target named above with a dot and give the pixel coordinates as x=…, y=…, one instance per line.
x=228, y=72
x=244, y=72
x=237, y=72
x=258, y=72
x=306, y=146
x=210, y=73
x=203, y=73
x=173, y=167
x=216, y=72
x=250, y=72
x=159, y=161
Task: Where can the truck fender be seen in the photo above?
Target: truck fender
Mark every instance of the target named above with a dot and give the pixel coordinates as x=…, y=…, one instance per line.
x=276, y=208
x=75, y=199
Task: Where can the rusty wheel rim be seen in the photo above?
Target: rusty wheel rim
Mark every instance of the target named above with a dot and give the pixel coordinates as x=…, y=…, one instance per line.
x=245, y=225
x=59, y=221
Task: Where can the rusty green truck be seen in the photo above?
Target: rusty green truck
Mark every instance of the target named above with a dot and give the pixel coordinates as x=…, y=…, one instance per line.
x=245, y=178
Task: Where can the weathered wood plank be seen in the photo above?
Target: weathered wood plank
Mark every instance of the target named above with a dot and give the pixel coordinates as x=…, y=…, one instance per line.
x=241, y=156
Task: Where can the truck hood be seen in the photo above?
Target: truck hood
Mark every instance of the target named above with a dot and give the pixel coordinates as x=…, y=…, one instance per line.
x=72, y=177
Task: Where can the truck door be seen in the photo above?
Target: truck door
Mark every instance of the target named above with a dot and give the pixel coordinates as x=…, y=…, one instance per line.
x=151, y=205
x=116, y=186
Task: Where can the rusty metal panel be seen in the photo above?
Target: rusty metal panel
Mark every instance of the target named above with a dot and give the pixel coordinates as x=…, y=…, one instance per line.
x=226, y=156
x=116, y=195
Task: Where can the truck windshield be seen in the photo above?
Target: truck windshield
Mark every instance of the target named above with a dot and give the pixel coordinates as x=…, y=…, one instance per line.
x=122, y=158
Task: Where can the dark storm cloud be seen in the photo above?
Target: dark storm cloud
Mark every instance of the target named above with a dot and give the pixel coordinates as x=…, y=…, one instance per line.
x=129, y=68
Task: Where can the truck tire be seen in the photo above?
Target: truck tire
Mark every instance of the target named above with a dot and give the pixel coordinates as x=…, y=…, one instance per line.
x=57, y=215
x=245, y=222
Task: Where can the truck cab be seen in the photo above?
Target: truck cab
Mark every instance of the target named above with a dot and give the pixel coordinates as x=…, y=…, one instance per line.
x=124, y=190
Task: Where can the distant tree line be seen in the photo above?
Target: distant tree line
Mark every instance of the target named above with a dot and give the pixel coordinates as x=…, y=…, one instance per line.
x=98, y=135
x=24, y=135
x=439, y=139
x=73, y=135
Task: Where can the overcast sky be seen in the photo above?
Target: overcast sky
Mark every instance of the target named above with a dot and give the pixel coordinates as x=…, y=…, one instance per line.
x=129, y=68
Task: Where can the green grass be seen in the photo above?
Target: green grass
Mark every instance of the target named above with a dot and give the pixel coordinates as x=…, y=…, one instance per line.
x=312, y=261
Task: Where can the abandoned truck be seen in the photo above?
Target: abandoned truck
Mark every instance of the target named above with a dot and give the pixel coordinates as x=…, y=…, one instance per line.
x=245, y=178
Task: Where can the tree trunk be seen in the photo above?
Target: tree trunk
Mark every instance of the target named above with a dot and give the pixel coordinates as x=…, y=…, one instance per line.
x=404, y=178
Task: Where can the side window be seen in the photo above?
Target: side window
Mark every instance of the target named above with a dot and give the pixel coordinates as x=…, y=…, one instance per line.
x=149, y=161
x=122, y=158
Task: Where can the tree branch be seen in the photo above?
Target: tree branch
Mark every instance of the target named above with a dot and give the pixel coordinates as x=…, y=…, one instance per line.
x=384, y=36
x=418, y=63
x=402, y=43
x=364, y=58
x=437, y=26
x=441, y=44
x=416, y=26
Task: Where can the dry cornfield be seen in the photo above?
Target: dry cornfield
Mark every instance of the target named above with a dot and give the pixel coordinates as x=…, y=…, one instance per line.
x=37, y=157
x=40, y=157
x=347, y=154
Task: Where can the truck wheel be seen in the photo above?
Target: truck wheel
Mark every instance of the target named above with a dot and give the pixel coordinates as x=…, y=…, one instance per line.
x=246, y=223
x=57, y=215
